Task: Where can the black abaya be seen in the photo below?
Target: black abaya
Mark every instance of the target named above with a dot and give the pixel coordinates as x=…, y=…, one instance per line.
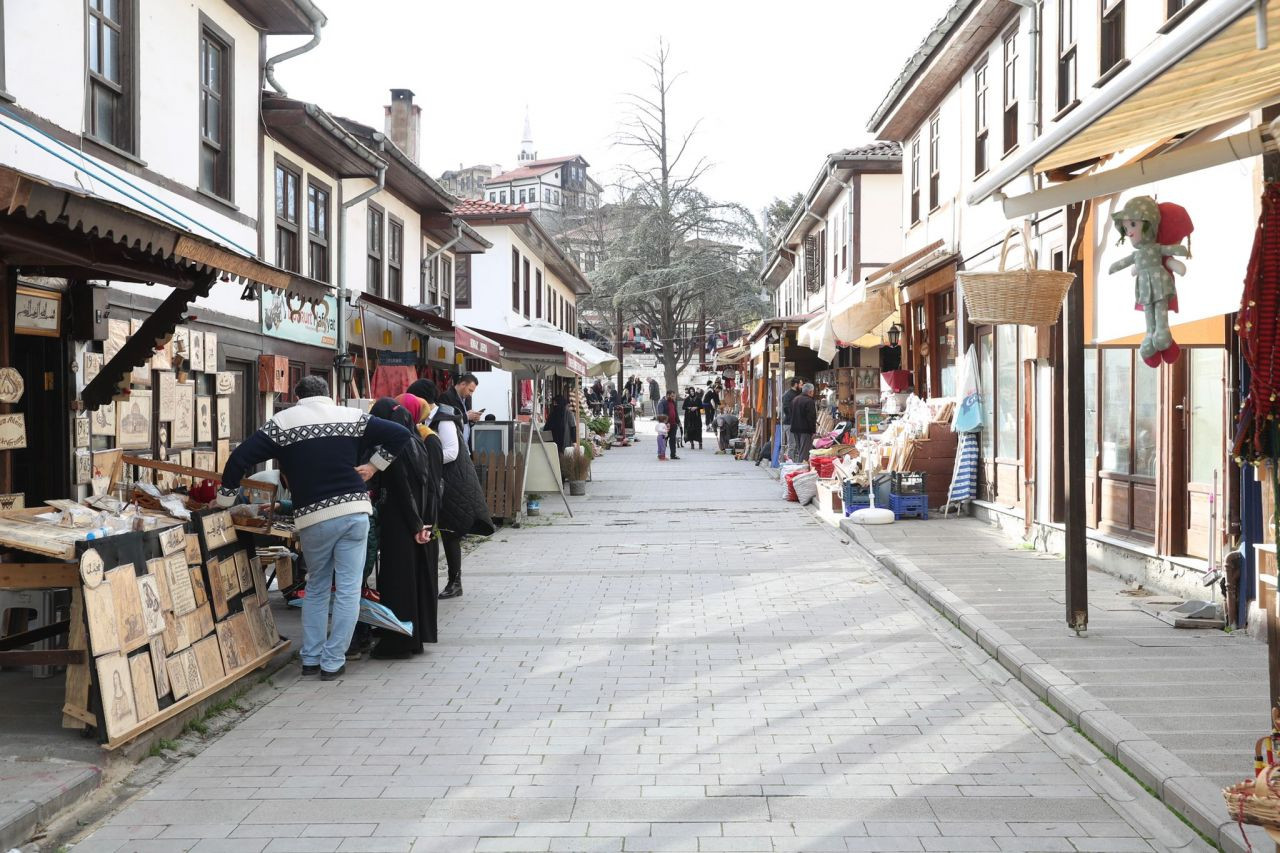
x=408, y=577
x=693, y=419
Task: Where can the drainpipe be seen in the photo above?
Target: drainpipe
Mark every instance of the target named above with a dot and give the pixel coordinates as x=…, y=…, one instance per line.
x=318, y=21
x=379, y=183
x=1033, y=78
x=457, y=227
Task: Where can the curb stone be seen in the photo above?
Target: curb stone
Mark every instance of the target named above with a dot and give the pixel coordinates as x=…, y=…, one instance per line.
x=1174, y=781
x=19, y=818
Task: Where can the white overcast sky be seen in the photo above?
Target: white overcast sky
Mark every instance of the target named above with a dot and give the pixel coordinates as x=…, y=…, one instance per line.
x=778, y=85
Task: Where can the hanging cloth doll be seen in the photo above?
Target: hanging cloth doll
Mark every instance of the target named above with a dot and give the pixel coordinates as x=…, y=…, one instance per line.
x=1140, y=221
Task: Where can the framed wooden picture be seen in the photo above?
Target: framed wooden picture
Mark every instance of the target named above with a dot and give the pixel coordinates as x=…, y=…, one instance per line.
x=104, y=462
x=195, y=354
x=182, y=431
x=117, y=336
x=179, y=580
x=152, y=609
x=100, y=607
x=144, y=685
x=176, y=666
x=218, y=592
x=232, y=635
x=12, y=385
x=172, y=539
x=13, y=431
x=115, y=688
x=166, y=388
x=224, y=383
x=128, y=605
x=224, y=453
x=84, y=468
x=141, y=376
x=133, y=421
x=158, y=668
x=210, y=352
x=209, y=658
x=230, y=578
x=82, y=431
x=204, y=421
x=181, y=346
x=92, y=365
x=37, y=312
x=218, y=530
x=224, y=417
x=243, y=573
x=102, y=420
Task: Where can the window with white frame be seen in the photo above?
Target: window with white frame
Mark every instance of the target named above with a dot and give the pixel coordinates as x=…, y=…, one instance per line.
x=980, y=134
x=1111, y=36
x=935, y=160
x=215, y=111
x=1067, y=75
x=915, y=180
x=1010, y=90
x=112, y=83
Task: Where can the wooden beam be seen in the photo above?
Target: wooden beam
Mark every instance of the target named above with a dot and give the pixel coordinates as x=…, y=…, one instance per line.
x=34, y=635
x=55, y=657
x=39, y=575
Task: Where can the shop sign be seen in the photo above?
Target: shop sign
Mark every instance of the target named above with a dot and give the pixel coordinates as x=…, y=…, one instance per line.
x=576, y=364
x=387, y=358
x=294, y=319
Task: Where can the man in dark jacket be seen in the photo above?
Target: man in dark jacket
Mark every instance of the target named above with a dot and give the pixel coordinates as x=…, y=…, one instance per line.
x=804, y=422
x=788, y=397
x=318, y=446
x=669, y=408
x=459, y=397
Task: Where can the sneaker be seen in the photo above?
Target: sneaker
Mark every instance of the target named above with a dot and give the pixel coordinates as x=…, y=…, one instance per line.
x=325, y=675
x=311, y=669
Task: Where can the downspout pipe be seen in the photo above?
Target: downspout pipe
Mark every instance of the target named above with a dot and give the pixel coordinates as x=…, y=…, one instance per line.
x=318, y=21
x=457, y=227
x=1033, y=78
x=379, y=183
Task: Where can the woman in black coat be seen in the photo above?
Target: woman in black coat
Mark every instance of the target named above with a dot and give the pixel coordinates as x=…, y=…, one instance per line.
x=464, y=510
x=692, y=409
x=408, y=577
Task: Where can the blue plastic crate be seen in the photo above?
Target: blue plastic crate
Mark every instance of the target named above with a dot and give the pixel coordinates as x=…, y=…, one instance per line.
x=909, y=506
x=854, y=502
x=850, y=490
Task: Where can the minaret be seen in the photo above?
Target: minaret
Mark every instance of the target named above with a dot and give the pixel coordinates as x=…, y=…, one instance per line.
x=527, y=154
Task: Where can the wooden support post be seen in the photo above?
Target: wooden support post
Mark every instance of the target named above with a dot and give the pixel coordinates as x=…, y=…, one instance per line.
x=1077, y=566
x=76, y=696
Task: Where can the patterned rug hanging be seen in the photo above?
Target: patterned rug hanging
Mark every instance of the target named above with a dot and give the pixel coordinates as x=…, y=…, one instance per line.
x=1257, y=438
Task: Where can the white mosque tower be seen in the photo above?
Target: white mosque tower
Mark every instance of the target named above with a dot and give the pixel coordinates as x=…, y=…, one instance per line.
x=527, y=154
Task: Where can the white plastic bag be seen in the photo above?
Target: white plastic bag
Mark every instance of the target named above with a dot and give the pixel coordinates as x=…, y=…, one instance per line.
x=806, y=486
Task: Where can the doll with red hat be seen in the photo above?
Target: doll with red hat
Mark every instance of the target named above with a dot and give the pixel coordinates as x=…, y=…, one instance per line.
x=1156, y=232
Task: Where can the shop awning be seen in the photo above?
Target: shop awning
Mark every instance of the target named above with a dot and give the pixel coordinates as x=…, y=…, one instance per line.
x=731, y=355
x=596, y=361
x=852, y=321
x=414, y=319
x=476, y=345
x=520, y=353
x=1208, y=68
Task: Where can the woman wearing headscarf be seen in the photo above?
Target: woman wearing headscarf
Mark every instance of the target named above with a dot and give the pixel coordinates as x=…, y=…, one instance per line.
x=464, y=510
x=560, y=421
x=410, y=491
x=692, y=408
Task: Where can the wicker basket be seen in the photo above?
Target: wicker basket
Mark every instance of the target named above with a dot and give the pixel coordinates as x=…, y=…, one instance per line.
x=1255, y=801
x=1026, y=297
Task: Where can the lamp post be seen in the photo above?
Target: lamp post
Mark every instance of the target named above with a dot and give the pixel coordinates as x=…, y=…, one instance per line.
x=345, y=366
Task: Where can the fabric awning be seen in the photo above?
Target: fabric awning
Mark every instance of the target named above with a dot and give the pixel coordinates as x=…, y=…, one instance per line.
x=731, y=355
x=852, y=321
x=595, y=362
x=520, y=353
x=1206, y=69
x=411, y=318
x=476, y=345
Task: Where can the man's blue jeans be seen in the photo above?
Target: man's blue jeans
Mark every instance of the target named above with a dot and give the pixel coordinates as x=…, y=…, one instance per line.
x=335, y=559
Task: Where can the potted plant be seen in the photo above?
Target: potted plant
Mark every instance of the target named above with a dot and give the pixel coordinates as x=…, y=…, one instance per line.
x=533, y=503
x=577, y=467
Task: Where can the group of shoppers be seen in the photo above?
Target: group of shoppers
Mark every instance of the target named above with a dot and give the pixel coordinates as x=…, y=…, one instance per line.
x=799, y=418
x=406, y=464
x=697, y=407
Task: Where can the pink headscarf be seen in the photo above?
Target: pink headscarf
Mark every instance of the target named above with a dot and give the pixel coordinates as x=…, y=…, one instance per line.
x=416, y=406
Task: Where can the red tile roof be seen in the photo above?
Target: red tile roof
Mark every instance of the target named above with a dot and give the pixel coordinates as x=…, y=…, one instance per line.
x=480, y=207
x=534, y=168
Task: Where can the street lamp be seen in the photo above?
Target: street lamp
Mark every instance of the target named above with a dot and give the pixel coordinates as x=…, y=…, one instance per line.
x=346, y=367
x=895, y=334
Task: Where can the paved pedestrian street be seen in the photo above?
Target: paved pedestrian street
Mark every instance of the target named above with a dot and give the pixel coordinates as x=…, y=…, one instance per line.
x=688, y=664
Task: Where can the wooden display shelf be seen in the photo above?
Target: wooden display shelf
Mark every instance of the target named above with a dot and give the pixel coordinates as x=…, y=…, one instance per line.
x=194, y=698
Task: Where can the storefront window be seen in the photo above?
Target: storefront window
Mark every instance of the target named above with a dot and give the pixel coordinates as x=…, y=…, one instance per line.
x=1117, y=387
x=1145, y=393
x=1205, y=399
x=1090, y=408
x=1007, y=392
x=946, y=317
x=987, y=390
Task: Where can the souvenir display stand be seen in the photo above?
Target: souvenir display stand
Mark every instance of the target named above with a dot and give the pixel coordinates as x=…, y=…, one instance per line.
x=162, y=615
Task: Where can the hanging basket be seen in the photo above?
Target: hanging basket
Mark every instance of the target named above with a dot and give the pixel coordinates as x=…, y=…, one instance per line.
x=1026, y=297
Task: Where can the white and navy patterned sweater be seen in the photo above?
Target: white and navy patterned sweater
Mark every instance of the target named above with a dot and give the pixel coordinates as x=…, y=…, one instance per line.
x=318, y=446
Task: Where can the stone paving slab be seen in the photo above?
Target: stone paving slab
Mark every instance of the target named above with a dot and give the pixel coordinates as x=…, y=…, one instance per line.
x=1180, y=709
x=689, y=664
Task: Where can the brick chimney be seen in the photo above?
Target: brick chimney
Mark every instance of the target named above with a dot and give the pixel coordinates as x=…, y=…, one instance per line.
x=400, y=122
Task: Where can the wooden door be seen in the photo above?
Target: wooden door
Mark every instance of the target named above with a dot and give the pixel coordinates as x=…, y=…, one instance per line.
x=1129, y=424
x=1204, y=417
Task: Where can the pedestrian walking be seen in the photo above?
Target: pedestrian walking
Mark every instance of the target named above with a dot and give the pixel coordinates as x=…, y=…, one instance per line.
x=318, y=446
x=693, y=417
x=787, y=397
x=409, y=502
x=463, y=511
x=804, y=422
x=655, y=396
x=663, y=429
x=669, y=409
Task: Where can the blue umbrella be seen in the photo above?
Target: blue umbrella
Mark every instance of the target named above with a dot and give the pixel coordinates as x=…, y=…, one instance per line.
x=376, y=614
x=964, y=481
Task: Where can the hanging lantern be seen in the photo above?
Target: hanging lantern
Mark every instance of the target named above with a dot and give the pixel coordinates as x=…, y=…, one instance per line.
x=386, y=337
x=414, y=344
x=458, y=358
x=441, y=353
x=358, y=326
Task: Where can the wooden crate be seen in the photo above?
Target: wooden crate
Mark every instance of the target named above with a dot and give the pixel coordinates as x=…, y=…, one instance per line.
x=502, y=477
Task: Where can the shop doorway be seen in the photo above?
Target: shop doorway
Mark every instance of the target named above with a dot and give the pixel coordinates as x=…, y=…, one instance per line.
x=1129, y=393
x=1204, y=437
x=42, y=470
x=1001, y=441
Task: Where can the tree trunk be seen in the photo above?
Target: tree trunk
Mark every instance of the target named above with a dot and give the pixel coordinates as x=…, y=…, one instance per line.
x=670, y=369
x=617, y=346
